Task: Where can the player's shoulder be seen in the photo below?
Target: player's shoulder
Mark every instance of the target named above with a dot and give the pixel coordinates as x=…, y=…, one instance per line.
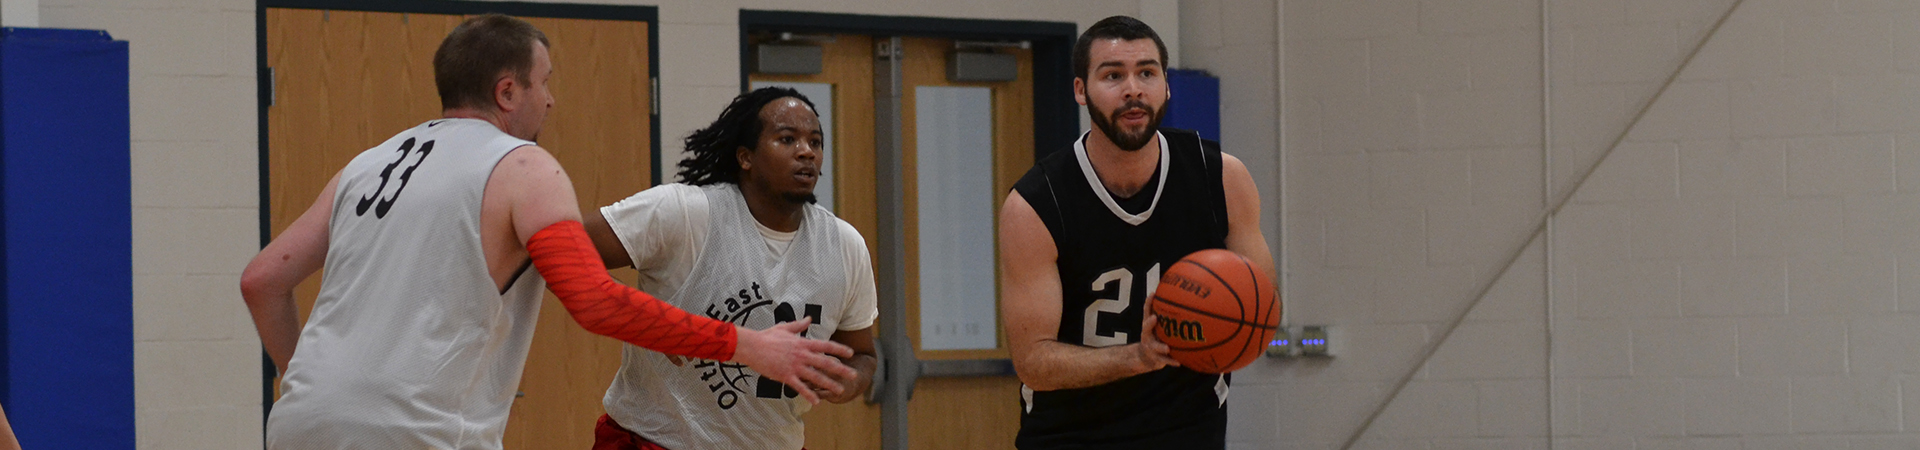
x=677, y=190
x=1188, y=139
x=1058, y=159
x=841, y=229
x=1047, y=166
x=670, y=198
x=528, y=161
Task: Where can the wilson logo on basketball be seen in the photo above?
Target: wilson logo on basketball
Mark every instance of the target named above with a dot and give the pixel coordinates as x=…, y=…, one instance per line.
x=1185, y=330
x=1187, y=285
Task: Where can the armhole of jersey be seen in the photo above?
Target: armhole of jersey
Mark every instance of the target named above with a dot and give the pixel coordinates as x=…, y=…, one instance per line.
x=1206, y=154
x=340, y=193
x=516, y=276
x=487, y=184
x=1215, y=162
x=1048, y=209
x=1059, y=216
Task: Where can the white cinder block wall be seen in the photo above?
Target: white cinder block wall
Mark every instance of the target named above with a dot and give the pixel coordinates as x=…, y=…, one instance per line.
x=1730, y=277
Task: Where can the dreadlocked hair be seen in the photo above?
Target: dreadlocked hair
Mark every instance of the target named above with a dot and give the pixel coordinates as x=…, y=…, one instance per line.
x=739, y=126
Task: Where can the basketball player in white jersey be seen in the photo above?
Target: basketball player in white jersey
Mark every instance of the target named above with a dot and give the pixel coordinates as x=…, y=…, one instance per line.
x=427, y=308
x=739, y=240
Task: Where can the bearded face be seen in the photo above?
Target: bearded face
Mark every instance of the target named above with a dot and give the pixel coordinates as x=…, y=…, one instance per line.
x=1129, y=138
x=1124, y=90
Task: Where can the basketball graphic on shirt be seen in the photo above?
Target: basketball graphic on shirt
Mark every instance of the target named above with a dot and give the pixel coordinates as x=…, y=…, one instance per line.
x=728, y=381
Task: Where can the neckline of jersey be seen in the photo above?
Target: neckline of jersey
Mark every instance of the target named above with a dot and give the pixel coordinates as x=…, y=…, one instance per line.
x=1100, y=190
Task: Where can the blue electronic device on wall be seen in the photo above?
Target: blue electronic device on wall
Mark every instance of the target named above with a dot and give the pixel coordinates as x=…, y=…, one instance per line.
x=1195, y=104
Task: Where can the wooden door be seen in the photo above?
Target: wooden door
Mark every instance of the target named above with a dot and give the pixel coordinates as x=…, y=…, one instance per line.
x=848, y=66
x=945, y=413
x=346, y=80
x=965, y=412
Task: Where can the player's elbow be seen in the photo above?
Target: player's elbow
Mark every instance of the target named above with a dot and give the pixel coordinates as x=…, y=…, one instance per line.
x=1033, y=379
x=1031, y=372
x=1028, y=379
x=257, y=287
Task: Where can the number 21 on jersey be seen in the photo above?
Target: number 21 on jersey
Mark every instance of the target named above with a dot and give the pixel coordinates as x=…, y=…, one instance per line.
x=1109, y=308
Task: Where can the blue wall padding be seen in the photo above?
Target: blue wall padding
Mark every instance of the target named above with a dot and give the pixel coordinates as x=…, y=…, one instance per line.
x=66, y=211
x=1195, y=104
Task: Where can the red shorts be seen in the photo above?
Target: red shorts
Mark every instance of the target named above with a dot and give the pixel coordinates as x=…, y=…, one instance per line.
x=607, y=435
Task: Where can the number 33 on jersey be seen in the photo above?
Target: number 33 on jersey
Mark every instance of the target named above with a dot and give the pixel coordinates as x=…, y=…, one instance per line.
x=381, y=205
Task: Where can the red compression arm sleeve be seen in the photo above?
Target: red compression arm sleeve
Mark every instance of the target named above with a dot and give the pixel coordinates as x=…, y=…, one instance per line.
x=566, y=258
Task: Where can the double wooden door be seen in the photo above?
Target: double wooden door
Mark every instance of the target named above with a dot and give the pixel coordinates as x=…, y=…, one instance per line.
x=970, y=412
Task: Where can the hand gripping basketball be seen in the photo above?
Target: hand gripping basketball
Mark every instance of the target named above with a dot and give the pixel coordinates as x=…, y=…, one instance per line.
x=803, y=364
x=1216, y=311
x=1152, y=353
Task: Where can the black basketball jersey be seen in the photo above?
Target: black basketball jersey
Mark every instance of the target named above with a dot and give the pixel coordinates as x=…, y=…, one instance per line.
x=1111, y=254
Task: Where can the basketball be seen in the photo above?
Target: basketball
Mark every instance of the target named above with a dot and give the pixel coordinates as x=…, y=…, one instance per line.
x=1216, y=311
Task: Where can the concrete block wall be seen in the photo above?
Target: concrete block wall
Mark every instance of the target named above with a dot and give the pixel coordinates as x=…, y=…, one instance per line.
x=1411, y=136
x=1778, y=225
x=1731, y=276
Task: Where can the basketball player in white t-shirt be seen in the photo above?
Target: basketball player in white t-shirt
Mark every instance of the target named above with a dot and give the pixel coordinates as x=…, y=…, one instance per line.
x=740, y=241
x=427, y=308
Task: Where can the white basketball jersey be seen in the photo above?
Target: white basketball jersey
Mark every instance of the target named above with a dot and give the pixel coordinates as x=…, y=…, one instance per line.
x=722, y=405
x=410, y=344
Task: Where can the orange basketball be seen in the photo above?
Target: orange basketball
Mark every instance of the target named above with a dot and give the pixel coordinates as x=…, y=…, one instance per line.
x=1216, y=311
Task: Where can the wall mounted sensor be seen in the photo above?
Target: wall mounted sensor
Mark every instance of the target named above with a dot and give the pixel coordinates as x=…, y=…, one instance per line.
x=1282, y=344
x=1316, y=341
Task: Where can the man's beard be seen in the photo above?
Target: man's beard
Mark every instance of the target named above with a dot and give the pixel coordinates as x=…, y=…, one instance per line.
x=1127, y=142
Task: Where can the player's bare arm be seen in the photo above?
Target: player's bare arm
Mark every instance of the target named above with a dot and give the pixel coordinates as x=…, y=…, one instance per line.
x=1243, y=214
x=864, y=361
x=7, y=440
x=1030, y=305
x=544, y=204
x=267, y=283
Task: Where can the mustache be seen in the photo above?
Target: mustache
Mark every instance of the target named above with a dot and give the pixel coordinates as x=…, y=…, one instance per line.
x=1130, y=106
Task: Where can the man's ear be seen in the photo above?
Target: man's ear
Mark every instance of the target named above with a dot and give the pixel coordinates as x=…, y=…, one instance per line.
x=503, y=93
x=740, y=156
x=1080, y=90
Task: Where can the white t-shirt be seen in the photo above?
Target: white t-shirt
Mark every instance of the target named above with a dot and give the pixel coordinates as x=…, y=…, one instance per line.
x=663, y=229
x=695, y=250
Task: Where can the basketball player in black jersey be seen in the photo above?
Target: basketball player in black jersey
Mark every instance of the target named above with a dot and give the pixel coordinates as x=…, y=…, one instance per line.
x=1084, y=238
